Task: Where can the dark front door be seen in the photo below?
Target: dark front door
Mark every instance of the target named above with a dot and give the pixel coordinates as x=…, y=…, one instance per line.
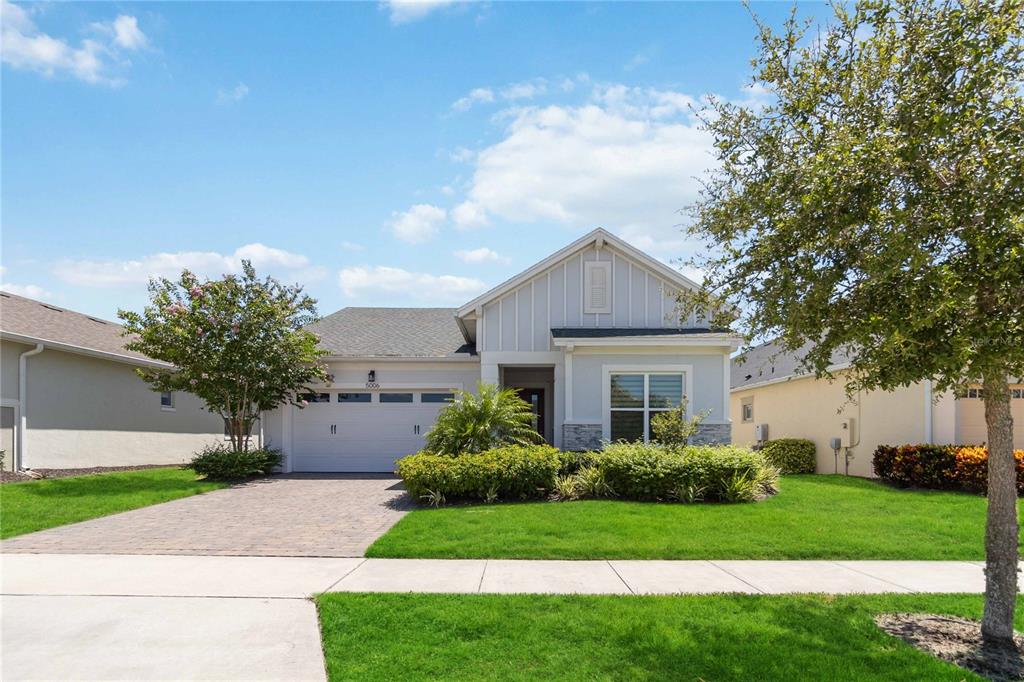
x=535, y=398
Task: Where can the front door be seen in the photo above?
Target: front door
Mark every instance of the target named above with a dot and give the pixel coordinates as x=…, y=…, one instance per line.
x=535, y=398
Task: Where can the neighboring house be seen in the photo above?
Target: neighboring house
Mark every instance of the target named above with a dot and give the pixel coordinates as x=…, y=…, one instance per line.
x=768, y=390
x=71, y=397
x=590, y=336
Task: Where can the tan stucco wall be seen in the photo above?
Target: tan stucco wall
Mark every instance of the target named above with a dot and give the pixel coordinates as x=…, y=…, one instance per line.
x=84, y=411
x=811, y=408
x=972, y=429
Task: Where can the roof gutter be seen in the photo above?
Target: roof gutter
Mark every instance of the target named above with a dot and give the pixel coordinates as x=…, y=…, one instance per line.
x=19, y=455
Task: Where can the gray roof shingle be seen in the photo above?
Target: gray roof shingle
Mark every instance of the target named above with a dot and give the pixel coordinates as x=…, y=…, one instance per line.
x=767, y=362
x=392, y=332
x=45, y=322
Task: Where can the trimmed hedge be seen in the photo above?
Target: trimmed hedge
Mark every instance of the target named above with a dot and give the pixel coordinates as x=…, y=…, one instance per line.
x=221, y=463
x=791, y=455
x=710, y=472
x=512, y=472
x=943, y=467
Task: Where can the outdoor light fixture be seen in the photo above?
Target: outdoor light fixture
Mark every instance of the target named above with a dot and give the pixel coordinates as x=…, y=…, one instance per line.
x=371, y=377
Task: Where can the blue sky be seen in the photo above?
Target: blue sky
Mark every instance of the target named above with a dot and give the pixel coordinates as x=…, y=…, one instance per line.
x=378, y=153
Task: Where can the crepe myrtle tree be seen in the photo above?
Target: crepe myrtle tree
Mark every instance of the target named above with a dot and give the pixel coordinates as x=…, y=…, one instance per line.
x=873, y=203
x=237, y=342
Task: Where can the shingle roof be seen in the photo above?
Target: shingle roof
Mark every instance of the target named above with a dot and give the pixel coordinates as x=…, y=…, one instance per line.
x=392, y=332
x=45, y=322
x=613, y=332
x=768, y=363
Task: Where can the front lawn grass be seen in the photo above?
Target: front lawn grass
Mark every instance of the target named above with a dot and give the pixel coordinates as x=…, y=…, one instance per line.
x=544, y=637
x=812, y=517
x=34, y=505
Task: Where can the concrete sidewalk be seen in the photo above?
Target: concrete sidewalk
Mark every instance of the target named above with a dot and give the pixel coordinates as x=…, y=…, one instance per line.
x=146, y=617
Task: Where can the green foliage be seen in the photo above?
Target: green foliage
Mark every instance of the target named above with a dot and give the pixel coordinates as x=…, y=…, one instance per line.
x=650, y=472
x=222, y=463
x=511, y=472
x=592, y=483
x=791, y=455
x=873, y=203
x=474, y=423
x=238, y=343
x=673, y=428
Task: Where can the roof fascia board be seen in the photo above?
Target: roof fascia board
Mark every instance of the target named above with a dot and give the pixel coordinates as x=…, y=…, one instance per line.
x=733, y=341
x=82, y=350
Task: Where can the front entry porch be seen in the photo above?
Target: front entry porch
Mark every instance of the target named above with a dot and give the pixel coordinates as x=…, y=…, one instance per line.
x=536, y=386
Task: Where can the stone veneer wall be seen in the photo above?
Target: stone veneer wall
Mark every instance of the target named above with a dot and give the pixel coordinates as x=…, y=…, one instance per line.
x=712, y=434
x=577, y=437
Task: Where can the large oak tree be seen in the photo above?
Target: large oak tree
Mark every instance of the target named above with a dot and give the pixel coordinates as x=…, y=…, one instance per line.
x=875, y=204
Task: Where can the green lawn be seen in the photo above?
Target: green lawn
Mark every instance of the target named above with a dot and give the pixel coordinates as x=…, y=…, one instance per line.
x=812, y=517
x=734, y=637
x=35, y=505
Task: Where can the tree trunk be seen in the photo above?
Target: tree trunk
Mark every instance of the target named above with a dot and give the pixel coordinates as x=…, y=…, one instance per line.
x=1001, y=534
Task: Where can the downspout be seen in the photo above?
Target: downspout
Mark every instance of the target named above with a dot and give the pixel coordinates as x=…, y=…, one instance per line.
x=19, y=460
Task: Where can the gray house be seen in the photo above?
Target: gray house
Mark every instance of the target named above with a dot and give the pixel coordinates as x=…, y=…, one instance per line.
x=590, y=336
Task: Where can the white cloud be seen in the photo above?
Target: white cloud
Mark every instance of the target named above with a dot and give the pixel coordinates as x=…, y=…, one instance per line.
x=352, y=246
x=524, y=90
x=24, y=46
x=481, y=255
x=406, y=11
x=627, y=160
x=116, y=273
x=235, y=94
x=462, y=155
x=475, y=96
x=382, y=282
x=28, y=291
x=420, y=223
x=469, y=215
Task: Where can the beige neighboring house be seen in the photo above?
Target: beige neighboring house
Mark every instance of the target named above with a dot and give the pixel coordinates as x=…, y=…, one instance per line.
x=71, y=397
x=770, y=399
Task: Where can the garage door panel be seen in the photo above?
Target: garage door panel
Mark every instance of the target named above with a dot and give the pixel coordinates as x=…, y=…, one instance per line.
x=368, y=436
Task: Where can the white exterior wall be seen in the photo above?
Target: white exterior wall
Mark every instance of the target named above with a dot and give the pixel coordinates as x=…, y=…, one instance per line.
x=520, y=321
x=390, y=375
x=83, y=411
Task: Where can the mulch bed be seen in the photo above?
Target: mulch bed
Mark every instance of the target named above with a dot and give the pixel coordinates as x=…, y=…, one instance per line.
x=14, y=476
x=956, y=640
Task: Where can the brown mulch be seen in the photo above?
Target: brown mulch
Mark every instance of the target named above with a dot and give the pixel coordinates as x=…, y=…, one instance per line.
x=956, y=640
x=14, y=476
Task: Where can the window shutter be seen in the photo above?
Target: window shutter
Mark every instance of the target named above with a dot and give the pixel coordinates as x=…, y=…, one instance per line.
x=598, y=287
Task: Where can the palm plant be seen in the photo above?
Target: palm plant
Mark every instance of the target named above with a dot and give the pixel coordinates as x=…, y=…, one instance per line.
x=474, y=423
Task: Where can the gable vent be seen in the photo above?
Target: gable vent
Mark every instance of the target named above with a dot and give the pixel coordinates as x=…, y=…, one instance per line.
x=597, y=287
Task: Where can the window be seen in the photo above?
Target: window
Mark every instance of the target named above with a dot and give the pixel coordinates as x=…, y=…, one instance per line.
x=1017, y=393
x=635, y=398
x=353, y=397
x=316, y=397
x=396, y=397
x=747, y=410
x=167, y=400
x=597, y=276
x=437, y=397
x=975, y=393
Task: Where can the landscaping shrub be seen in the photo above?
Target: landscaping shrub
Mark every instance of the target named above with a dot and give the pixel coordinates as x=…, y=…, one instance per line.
x=489, y=419
x=640, y=471
x=512, y=472
x=949, y=467
x=221, y=463
x=791, y=455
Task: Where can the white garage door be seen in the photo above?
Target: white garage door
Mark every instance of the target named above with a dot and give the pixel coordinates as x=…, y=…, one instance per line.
x=362, y=431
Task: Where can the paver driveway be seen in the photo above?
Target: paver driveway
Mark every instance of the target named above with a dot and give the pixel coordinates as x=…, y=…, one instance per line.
x=295, y=515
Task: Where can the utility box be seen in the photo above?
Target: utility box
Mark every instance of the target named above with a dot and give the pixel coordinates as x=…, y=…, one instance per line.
x=846, y=437
x=760, y=432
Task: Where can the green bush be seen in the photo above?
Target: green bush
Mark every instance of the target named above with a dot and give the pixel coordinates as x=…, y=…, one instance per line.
x=489, y=419
x=710, y=472
x=512, y=472
x=791, y=455
x=221, y=463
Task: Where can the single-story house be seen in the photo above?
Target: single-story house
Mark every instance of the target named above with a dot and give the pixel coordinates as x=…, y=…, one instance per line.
x=770, y=398
x=71, y=397
x=590, y=336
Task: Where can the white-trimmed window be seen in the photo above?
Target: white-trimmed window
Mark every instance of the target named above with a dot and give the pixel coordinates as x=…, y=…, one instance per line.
x=638, y=396
x=597, y=287
x=975, y=393
x=747, y=410
x=167, y=400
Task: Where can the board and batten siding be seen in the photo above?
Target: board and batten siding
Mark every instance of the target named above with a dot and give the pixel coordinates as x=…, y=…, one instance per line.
x=521, y=320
